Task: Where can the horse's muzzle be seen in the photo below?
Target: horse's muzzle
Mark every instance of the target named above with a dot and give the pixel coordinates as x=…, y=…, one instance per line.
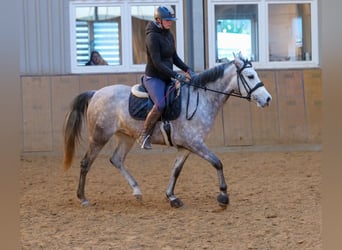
x=268, y=101
x=264, y=103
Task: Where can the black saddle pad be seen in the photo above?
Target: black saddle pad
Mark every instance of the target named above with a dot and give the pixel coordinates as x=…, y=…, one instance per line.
x=139, y=107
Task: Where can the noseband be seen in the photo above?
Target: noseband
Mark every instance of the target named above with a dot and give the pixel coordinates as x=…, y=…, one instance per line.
x=241, y=79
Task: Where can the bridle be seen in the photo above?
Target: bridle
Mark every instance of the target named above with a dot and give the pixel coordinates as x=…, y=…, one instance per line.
x=240, y=81
x=241, y=78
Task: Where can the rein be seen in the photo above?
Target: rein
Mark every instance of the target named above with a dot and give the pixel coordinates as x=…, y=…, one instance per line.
x=240, y=78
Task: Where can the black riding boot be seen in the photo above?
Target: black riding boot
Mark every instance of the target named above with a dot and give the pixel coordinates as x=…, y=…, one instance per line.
x=150, y=122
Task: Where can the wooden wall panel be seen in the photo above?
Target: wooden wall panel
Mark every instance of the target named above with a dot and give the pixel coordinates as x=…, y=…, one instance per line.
x=237, y=122
x=63, y=90
x=128, y=78
x=265, y=120
x=313, y=103
x=92, y=82
x=292, y=122
x=36, y=101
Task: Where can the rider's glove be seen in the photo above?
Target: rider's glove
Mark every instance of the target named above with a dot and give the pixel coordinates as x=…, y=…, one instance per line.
x=180, y=78
x=191, y=73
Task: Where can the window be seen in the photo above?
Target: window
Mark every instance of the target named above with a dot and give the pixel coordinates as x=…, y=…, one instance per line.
x=98, y=28
x=289, y=27
x=116, y=29
x=236, y=25
x=272, y=33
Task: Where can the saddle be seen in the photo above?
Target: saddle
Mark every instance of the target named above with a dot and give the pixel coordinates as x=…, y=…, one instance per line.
x=140, y=104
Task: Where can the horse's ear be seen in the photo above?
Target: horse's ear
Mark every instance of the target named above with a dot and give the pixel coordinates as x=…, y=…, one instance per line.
x=240, y=56
x=237, y=60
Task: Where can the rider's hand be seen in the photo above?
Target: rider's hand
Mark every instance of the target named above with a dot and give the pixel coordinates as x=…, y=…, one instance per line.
x=190, y=74
x=181, y=78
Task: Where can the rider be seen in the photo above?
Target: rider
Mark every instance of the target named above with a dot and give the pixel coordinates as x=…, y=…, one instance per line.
x=161, y=55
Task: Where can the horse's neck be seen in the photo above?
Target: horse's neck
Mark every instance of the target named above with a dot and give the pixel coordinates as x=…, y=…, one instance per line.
x=209, y=102
x=217, y=98
x=214, y=97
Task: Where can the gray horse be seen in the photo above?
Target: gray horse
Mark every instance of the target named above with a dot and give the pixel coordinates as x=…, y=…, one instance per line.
x=107, y=114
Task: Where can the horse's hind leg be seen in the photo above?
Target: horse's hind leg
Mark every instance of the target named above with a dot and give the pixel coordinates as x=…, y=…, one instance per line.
x=87, y=161
x=177, y=168
x=124, y=145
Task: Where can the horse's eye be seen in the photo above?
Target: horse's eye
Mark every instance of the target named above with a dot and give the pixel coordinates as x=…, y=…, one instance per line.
x=250, y=77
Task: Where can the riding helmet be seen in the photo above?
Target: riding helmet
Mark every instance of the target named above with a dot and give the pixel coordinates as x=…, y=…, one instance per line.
x=165, y=13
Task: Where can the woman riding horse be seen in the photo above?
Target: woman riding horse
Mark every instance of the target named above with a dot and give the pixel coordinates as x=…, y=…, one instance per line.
x=107, y=115
x=161, y=55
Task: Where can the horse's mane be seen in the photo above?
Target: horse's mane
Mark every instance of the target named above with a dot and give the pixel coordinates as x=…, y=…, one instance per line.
x=210, y=75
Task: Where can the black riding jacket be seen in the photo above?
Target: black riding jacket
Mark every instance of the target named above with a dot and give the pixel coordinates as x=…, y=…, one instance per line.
x=161, y=53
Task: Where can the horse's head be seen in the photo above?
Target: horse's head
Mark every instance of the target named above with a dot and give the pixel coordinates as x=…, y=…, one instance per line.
x=248, y=84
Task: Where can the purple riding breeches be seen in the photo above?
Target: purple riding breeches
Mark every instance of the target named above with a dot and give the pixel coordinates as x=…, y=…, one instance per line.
x=156, y=91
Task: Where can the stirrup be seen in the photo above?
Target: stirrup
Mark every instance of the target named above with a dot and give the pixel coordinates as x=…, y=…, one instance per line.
x=146, y=144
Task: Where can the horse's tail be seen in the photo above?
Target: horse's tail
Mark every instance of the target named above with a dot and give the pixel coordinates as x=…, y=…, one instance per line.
x=73, y=125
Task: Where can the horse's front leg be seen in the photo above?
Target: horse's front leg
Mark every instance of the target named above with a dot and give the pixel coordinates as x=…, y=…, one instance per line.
x=203, y=151
x=177, y=168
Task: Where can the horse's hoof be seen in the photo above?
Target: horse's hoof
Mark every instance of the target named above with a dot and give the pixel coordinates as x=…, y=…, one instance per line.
x=223, y=200
x=85, y=203
x=138, y=197
x=176, y=203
